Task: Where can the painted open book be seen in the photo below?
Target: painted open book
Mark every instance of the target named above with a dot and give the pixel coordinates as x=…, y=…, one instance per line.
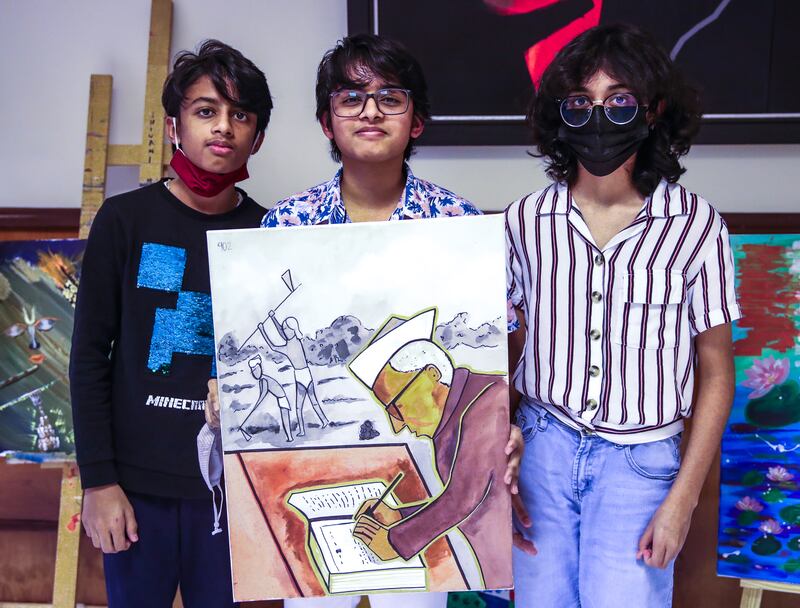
x=344, y=563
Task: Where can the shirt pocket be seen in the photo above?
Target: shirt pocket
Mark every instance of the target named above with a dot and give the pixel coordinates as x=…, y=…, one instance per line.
x=647, y=309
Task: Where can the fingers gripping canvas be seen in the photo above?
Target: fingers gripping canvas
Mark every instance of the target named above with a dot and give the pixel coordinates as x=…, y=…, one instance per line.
x=364, y=404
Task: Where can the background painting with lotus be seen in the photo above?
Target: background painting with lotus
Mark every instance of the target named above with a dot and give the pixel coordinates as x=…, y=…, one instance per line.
x=759, y=524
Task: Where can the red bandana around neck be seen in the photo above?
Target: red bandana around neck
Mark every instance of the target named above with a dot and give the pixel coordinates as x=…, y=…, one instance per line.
x=202, y=182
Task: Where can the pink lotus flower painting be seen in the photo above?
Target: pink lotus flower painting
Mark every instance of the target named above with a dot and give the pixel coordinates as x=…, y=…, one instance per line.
x=779, y=474
x=765, y=374
x=770, y=527
x=749, y=504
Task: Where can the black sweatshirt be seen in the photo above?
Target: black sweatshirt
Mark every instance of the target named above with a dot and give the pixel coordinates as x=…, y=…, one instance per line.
x=143, y=342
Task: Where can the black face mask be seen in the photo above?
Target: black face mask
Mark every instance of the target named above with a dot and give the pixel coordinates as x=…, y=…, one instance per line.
x=603, y=146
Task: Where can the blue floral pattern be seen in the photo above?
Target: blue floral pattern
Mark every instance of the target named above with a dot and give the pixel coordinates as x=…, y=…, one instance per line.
x=323, y=204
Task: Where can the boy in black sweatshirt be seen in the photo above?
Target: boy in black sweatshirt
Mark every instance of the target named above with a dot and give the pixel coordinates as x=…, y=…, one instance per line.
x=143, y=344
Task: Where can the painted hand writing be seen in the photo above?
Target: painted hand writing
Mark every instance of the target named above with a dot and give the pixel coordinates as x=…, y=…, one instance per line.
x=383, y=513
x=376, y=537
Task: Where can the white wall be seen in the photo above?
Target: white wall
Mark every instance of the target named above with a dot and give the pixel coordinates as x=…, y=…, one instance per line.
x=49, y=48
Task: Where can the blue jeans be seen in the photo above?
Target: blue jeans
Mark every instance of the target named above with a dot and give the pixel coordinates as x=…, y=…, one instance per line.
x=590, y=501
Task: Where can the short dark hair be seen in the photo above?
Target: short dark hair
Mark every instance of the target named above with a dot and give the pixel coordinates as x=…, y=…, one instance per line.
x=633, y=57
x=230, y=71
x=356, y=60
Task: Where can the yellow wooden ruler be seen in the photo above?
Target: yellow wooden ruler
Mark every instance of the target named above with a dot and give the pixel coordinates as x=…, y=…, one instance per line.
x=95, y=162
x=152, y=151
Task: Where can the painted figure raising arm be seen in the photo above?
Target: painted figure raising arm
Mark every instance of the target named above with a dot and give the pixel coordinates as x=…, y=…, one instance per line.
x=292, y=349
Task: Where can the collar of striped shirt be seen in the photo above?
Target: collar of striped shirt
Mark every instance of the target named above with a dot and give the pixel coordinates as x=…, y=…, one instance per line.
x=662, y=203
x=610, y=332
x=323, y=204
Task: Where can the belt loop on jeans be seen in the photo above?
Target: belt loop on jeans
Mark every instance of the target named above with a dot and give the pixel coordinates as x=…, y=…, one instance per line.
x=540, y=411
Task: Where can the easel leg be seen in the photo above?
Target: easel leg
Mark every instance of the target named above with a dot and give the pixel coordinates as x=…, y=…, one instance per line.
x=751, y=598
x=69, y=536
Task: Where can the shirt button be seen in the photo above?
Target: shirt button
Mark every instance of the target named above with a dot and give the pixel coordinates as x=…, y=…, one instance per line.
x=599, y=260
x=594, y=334
x=597, y=296
x=594, y=371
x=591, y=405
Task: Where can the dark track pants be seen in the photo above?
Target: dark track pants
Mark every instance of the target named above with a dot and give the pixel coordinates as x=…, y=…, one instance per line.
x=175, y=547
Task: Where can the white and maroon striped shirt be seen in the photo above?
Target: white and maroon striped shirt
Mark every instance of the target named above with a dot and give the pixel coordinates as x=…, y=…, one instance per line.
x=610, y=342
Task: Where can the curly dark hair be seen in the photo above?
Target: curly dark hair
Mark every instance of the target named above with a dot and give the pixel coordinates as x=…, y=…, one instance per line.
x=229, y=70
x=634, y=58
x=355, y=61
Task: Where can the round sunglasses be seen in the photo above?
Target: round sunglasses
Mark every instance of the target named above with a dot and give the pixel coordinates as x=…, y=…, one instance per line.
x=620, y=108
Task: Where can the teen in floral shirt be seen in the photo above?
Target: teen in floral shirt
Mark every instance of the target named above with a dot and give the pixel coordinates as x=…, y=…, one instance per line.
x=323, y=204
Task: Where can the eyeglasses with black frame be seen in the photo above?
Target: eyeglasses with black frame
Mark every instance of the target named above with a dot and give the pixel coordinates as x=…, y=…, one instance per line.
x=620, y=108
x=349, y=103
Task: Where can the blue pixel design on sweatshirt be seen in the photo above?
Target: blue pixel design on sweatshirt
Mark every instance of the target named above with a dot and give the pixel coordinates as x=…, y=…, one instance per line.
x=188, y=328
x=161, y=267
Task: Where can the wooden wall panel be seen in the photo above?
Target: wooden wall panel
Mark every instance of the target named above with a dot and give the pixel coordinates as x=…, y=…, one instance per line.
x=27, y=564
x=28, y=517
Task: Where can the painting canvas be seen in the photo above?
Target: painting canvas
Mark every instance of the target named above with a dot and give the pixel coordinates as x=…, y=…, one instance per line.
x=759, y=522
x=482, y=58
x=364, y=400
x=38, y=287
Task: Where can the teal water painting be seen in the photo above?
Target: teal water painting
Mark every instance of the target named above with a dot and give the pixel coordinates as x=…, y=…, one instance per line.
x=759, y=518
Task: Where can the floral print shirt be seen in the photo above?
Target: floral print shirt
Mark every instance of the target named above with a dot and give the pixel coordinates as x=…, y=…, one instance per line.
x=323, y=204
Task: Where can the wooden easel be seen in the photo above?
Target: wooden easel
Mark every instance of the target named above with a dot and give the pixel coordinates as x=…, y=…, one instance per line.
x=753, y=589
x=148, y=155
x=69, y=535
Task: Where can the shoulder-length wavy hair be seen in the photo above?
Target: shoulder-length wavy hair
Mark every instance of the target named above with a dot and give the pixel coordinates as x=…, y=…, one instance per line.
x=629, y=55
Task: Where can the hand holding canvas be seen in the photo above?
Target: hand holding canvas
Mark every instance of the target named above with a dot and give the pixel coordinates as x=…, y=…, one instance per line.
x=514, y=449
x=212, y=405
x=376, y=537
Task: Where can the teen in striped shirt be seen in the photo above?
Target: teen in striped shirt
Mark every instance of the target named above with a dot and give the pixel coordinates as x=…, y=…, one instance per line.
x=623, y=281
